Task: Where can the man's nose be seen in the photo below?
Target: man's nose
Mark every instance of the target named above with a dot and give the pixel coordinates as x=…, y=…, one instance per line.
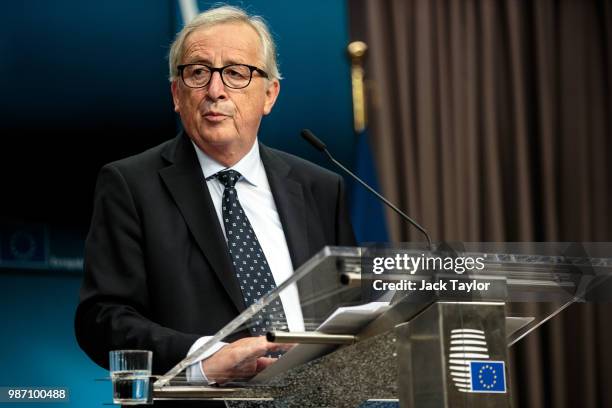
x=216, y=88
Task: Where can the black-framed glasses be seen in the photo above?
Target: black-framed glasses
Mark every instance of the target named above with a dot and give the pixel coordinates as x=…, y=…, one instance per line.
x=235, y=76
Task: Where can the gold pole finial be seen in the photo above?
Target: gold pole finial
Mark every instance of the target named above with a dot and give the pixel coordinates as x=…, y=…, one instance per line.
x=356, y=51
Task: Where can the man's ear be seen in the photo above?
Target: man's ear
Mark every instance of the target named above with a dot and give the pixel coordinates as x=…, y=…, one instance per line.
x=175, y=97
x=271, y=95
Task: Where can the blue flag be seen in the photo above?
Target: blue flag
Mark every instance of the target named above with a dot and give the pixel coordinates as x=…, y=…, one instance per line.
x=367, y=211
x=488, y=376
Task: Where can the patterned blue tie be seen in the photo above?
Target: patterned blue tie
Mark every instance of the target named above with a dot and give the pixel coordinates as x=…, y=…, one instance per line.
x=250, y=264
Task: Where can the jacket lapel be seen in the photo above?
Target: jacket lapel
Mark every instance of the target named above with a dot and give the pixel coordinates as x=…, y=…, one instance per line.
x=289, y=199
x=187, y=185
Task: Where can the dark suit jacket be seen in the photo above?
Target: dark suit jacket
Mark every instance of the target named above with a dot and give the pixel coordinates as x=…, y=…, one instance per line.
x=157, y=271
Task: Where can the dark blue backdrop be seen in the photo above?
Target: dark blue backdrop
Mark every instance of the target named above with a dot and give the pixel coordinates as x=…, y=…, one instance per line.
x=85, y=83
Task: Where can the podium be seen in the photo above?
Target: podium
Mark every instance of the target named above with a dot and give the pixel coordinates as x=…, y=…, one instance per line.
x=441, y=341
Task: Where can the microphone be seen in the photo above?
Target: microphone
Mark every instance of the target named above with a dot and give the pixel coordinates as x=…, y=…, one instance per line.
x=320, y=146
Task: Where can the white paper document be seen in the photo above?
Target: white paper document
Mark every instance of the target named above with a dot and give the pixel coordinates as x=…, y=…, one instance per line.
x=345, y=320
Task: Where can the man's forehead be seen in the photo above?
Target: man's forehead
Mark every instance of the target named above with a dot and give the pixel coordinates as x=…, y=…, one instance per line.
x=230, y=39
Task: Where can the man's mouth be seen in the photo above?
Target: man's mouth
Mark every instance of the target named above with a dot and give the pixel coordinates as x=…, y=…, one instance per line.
x=214, y=116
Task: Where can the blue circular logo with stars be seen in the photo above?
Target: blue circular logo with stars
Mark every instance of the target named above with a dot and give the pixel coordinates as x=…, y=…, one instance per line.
x=487, y=376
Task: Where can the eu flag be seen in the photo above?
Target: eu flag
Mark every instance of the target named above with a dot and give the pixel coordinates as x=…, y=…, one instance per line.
x=488, y=376
x=367, y=212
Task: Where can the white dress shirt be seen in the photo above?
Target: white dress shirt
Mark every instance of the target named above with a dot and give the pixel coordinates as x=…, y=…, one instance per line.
x=258, y=203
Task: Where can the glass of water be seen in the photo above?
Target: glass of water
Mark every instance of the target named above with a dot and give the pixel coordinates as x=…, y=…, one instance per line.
x=130, y=372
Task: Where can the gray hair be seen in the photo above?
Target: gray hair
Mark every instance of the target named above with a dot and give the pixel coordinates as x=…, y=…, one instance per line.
x=220, y=15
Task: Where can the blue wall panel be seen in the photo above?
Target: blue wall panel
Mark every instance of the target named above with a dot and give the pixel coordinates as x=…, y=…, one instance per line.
x=72, y=101
x=38, y=347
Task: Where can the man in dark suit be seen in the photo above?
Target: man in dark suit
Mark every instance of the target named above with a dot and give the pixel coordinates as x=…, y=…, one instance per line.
x=159, y=273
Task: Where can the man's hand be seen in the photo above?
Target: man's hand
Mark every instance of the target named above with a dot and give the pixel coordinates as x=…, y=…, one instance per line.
x=241, y=359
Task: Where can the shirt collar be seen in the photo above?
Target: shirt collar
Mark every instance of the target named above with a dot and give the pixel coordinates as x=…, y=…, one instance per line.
x=250, y=166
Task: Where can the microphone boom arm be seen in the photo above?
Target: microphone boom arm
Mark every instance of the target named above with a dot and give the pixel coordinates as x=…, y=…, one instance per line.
x=391, y=205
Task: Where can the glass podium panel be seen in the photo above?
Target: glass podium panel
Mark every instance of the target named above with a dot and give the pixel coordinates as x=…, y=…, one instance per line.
x=543, y=279
x=331, y=301
x=311, y=295
x=535, y=280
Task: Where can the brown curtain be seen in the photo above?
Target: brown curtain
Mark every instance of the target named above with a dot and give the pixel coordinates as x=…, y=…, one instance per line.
x=490, y=121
